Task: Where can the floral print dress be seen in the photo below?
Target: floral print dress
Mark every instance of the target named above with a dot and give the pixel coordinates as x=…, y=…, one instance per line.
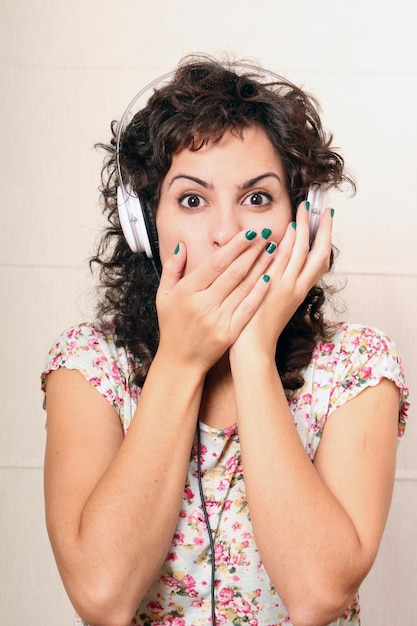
x=356, y=357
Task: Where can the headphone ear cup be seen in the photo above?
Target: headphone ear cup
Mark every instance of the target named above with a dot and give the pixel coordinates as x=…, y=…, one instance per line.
x=317, y=197
x=132, y=221
x=152, y=233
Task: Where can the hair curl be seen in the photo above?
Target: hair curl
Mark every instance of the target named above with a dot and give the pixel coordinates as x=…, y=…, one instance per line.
x=205, y=99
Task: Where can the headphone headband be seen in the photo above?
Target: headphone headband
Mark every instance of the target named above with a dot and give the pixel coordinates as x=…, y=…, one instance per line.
x=164, y=77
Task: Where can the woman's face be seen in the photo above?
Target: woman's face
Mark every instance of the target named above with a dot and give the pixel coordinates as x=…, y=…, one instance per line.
x=209, y=195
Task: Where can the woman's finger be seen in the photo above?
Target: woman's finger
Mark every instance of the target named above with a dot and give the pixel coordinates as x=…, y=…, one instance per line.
x=173, y=269
x=301, y=246
x=248, y=306
x=307, y=264
x=227, y=267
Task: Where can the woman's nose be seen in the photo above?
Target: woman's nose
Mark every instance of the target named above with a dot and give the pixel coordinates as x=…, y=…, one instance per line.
x=226, y=224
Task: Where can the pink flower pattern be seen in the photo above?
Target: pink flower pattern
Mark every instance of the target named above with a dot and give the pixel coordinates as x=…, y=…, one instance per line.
x=356, y=358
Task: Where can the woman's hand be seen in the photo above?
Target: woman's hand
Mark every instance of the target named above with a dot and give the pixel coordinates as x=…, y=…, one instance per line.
x=294, y=271
x=201, y=314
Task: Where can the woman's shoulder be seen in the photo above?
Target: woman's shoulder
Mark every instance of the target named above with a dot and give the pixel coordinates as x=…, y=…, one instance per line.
x=355, y=350
x=350, y=338
x=356, y=356
x=82, y=338
x=92, y=349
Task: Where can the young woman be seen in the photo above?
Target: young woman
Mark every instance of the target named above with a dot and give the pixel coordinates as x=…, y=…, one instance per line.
x=217, y=452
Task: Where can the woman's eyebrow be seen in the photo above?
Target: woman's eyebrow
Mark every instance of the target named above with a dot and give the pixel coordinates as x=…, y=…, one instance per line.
x=254, y=181
x=246, y=185
x=194, y=179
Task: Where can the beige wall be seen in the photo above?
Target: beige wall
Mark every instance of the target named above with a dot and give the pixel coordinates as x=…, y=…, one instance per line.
x=67, y=68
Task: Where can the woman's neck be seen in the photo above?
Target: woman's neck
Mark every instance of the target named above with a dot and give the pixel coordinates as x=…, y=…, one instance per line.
x=218, y=408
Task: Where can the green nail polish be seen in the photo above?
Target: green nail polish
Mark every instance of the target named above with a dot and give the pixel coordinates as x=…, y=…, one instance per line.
x=332, y=212
x=177, y=249
x=271, y=247
x=250, y=234
x=294, y=225
x=266, y=278
x=307, y=205
x=265, y=233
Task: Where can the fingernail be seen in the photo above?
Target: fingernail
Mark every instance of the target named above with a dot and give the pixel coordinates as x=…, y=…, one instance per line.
x=294, y=225
x=332, y=212
x=250, y=234
x=177, y=249
x=271, y=247
x=307, y=205
x=265, y=233
x=266, y=278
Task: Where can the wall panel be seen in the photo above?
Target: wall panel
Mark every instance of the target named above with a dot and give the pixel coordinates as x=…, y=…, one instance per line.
x=66, y=70
x=31, y=591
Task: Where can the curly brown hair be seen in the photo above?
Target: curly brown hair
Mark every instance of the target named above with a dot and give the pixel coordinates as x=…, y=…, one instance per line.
x=204, y=99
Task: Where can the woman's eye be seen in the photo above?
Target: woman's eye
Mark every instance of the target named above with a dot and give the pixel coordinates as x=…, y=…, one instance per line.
x=192, y=201
x=258, y=199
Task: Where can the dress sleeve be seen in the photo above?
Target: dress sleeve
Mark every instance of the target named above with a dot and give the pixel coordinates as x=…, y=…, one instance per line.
x=93, y=352
x=367, y=356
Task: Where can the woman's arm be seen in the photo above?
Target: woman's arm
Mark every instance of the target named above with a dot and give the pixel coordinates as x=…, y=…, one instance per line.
x=112, y=504
x=317, y=526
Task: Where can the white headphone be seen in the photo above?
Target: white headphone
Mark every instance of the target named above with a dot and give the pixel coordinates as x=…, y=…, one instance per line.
x=317, y=197
x=132, y=221
x=136, y=218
